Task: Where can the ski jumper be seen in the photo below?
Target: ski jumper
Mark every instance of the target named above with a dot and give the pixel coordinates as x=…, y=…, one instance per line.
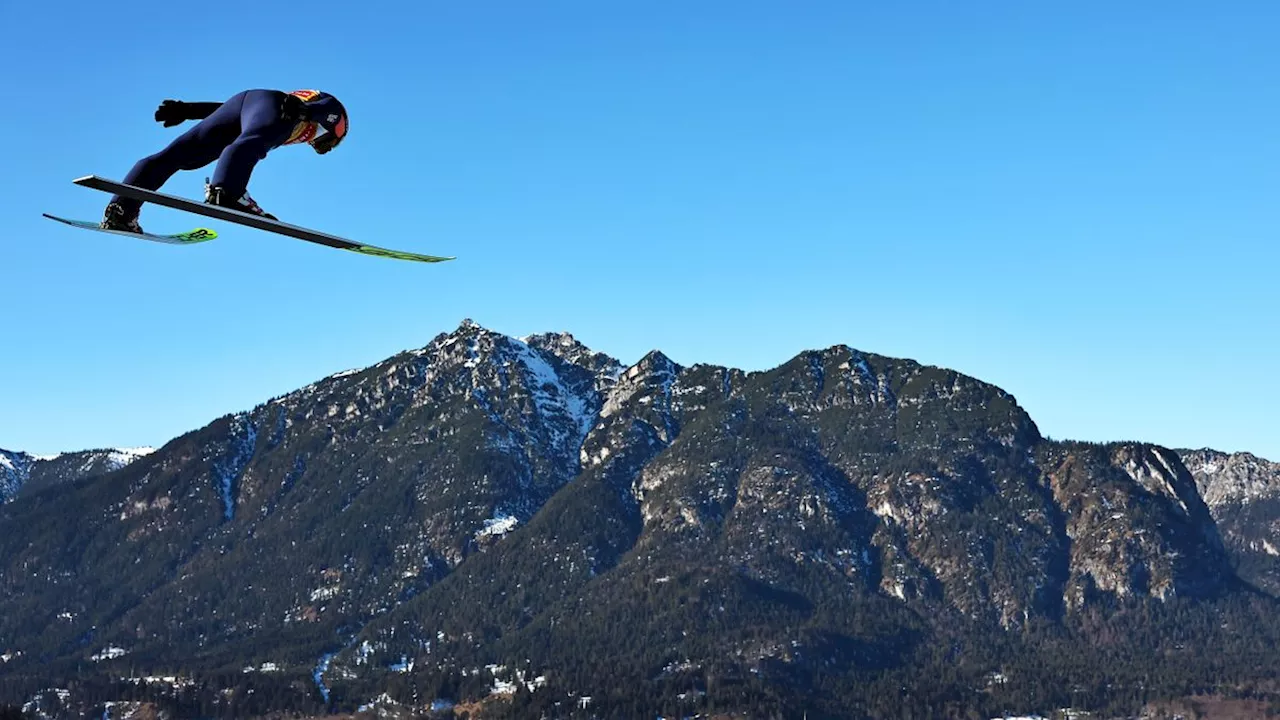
x=238, y=133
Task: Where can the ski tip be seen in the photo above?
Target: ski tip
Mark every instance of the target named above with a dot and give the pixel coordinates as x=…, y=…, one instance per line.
x=376, y=251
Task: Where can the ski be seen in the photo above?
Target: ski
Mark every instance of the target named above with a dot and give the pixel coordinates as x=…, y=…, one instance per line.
x=250, y=220
x=190, y=237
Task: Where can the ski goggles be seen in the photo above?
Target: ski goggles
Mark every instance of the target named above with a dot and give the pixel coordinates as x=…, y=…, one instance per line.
x=326, y=139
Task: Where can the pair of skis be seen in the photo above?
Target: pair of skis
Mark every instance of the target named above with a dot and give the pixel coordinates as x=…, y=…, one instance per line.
x=199, y=235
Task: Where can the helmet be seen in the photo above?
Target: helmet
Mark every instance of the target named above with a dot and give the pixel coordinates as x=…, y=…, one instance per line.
x=329, y=120
x=332, y=130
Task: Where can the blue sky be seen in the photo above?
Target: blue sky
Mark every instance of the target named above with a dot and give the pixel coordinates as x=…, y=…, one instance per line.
x=1077, y=203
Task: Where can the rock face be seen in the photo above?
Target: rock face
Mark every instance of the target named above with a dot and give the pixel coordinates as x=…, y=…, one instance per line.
x=1137, y=524
x=1243, y=495
x=525, y=521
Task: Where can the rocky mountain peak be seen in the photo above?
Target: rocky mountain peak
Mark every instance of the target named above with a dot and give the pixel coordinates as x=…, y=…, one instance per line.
x=647, y=382
x=1232, y=477
x=1242, y=492
x=1136, y=524
x=566, y=347
x=1160, y=472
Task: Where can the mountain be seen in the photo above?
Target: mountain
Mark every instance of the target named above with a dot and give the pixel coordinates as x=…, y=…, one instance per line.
x=1243, y=494
x=523, y=527
x=21, y=471
x=15, y=468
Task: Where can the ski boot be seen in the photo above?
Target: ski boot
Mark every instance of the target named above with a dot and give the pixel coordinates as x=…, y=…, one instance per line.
x=115, y=218
x=215, y=195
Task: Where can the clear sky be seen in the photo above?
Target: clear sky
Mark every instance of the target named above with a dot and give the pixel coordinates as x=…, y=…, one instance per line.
x=1078, y=202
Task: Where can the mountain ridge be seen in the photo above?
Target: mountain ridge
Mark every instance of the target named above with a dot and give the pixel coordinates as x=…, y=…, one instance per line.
x=20, y=471
x=460, y=520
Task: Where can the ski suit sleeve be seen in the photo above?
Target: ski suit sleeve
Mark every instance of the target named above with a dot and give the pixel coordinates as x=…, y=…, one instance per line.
x=200, y=110
x=174, y=112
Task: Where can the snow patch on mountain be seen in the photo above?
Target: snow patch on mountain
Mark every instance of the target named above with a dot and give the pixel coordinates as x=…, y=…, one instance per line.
x=317, y=674
x=555, y=400
x=120, y=457
x=228, y=468
x=109, y=653
x=498, y=525
x=15, y=469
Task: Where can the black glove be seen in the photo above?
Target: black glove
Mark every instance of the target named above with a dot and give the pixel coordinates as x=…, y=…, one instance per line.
x=171, y=112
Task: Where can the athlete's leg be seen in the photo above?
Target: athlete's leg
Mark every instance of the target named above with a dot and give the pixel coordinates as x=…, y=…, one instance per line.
x=262, y=127
x=193, y=149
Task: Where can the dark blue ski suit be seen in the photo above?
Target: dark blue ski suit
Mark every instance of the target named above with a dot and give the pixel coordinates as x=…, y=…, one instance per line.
x=238, y=133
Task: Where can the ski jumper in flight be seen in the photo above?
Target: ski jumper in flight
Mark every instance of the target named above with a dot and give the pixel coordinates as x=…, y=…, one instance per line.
x=237, y=133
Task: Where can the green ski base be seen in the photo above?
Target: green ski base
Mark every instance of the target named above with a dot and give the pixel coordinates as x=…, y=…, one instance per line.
x=190, y=237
